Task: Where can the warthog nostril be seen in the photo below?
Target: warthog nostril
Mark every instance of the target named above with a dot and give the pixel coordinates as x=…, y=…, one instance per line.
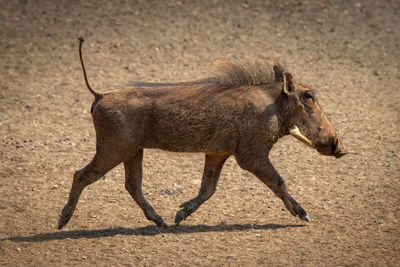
x=336, y=144
x=338, y=148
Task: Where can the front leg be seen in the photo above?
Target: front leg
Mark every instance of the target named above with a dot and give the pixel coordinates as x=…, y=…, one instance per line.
x=261, y=167
x=212, y=170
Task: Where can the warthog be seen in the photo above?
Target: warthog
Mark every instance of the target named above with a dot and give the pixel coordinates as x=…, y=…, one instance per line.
x=242, y=111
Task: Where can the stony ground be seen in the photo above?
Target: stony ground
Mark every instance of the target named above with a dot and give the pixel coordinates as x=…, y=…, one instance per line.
x=347, y=50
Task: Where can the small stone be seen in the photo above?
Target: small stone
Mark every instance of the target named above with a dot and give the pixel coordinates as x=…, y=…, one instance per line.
x=18, y=249
x=231, y=255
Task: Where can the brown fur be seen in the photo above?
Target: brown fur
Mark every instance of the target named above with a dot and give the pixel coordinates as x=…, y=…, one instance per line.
x=241, y=111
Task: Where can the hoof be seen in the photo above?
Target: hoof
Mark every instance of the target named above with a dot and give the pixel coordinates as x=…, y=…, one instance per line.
x=62, y=222
x=306, y=218
x=161, y=223
x=180, y=216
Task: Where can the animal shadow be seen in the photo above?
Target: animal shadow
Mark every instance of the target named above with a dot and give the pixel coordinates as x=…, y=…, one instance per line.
x=150, y=230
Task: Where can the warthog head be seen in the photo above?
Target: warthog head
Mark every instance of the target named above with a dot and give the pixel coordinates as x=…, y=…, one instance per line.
x=304, y=118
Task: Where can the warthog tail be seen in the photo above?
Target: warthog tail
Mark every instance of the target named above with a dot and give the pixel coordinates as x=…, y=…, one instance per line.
x=96, y=94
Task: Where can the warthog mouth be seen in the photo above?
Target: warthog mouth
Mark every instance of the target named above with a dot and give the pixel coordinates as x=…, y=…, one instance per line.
x=338, y=149
x=295, y=131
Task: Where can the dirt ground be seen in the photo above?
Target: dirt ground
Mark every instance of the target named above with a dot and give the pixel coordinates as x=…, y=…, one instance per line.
x=347, y=50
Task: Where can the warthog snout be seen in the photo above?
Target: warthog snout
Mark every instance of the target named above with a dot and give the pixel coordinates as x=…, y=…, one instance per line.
x=338, y=147
x=334, y=147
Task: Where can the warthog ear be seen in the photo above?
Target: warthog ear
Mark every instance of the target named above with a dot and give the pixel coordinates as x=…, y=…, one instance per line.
x=288, y=83
x=279, y=70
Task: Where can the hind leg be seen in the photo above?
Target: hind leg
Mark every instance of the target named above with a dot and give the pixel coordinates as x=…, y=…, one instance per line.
x=100, y=165
x=212, y=171
x=133, y=184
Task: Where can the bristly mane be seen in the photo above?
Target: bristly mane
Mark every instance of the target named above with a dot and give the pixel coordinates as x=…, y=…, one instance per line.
x=243, y=73
x=233, y=74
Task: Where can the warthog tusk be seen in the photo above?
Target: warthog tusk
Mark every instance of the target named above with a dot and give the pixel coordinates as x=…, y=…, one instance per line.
x=296, y=133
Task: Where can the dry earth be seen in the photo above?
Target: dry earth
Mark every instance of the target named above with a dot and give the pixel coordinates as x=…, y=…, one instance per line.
x=347, y=50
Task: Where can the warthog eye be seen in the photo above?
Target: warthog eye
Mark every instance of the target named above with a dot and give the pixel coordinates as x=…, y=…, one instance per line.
x=308, y=94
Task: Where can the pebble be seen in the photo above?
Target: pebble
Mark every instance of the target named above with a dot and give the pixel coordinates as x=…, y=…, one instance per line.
x=167, y=191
